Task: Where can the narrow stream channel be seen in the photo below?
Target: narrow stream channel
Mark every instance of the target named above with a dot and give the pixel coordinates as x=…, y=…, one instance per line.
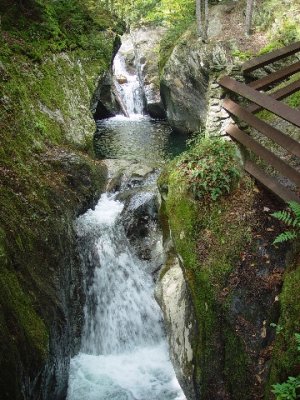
x=124, y=352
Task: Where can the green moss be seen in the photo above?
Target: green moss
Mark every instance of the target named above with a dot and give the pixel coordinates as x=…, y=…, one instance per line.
x=172, y=37
x=286, y=357
x=294, y=100
x=44, y=180
x=22, y=314
x=235, y=366
x=209, y=237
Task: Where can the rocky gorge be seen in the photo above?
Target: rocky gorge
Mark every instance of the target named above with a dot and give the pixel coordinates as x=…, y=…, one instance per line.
x=220, y=282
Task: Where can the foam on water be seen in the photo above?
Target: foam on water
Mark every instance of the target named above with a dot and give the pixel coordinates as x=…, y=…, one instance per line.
x=124, y=354
x=143, y=374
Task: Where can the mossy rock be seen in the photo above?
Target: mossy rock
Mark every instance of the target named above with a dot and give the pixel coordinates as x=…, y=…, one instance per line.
x=234, y=273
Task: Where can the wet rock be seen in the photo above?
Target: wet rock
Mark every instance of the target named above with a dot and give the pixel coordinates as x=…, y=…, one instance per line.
x=174, y=299
x=104, y=103
x=121, y=79
x=139, y=220
x=126, y=174
x=189, y=88
x=184, y=85
x=146, y=42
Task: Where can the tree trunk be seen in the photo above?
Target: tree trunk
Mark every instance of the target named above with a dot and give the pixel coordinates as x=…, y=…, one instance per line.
x=249, y=14
x=202, y=18
x=199, y=18
x=205, y=28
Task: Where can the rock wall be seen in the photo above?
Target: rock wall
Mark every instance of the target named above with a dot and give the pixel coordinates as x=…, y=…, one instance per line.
x=172, y=294
x=189, y=89
x=146, y=46
x=45, y=183
x=234, y=276
x=41, y=278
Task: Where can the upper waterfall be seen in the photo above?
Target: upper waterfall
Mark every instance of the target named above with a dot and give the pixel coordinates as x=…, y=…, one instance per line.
x=129, y=90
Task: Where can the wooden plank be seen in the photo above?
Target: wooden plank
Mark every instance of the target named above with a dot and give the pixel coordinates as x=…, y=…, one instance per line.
x=280, y=109
x=279, y=94
x=264, y=153
x=265, y=59
x=274, y=77
x=283, y=140
x=270, y=183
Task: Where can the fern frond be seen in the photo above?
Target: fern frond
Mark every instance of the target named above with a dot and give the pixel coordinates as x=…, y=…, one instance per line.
x=295, y=207
x=284, y=216
x=285, y=236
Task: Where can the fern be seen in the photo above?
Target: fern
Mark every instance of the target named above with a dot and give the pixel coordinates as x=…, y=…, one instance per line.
x=292, y=219
x=285, y=236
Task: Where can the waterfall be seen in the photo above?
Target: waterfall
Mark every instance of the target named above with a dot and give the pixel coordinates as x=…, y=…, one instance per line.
x=127, y=83
x=124, y=354
x=121, y=313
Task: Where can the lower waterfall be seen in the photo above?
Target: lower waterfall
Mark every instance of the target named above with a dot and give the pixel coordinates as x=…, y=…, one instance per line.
x=124, y=354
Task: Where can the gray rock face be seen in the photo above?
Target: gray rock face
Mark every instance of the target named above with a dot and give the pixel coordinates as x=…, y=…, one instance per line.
x=146, y=44
x=174, y=299
x=190, y=93
x=184, y=85
x=104, y=103
x=136, y=183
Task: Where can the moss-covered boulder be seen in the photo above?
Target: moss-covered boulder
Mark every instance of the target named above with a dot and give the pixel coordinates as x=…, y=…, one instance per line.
x=52, y=54
x=233, y=272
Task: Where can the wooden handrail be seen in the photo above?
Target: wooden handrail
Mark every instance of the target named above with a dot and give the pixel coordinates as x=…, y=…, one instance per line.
x=269, y=101
x=279, y=94
x=265, y=59
x=264, y=153
x=276, y=135
x=269, y=182
x=280, y=109
x=274, y=77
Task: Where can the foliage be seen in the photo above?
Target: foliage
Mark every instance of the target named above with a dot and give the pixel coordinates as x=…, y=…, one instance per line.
x=290, y=218
x=171, y=38
x=166, y=12
x=297, y=336
x=48, y=27
x=281, y=20
x=210, y=167
x=294, y=100
x=279, y=328
x=288, y=390
x=242, y=55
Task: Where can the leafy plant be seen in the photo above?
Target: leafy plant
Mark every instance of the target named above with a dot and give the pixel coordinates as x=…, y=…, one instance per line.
x=242, y=55
x=211, y=168
x=288, y=390
x=279, y=328
x=297, y=336
x=292, y=219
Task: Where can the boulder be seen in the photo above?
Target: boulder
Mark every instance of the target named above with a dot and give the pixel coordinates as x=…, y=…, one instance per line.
x=184, y=84
x=146, y=43
x=104, y=103
x=121, y=79
x=173, y=296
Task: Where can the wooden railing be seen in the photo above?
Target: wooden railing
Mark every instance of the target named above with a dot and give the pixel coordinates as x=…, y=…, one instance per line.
x=252, y=91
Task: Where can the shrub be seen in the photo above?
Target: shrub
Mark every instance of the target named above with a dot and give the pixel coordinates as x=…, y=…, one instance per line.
x=211, y=168
x=290, y=389
x=292, y=219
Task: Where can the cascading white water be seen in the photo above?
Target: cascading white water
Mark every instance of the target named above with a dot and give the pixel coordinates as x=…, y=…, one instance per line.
x=129, y=89
x=124, y=354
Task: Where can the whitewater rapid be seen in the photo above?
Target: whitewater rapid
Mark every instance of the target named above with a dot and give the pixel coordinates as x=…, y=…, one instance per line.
x=124, y=354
